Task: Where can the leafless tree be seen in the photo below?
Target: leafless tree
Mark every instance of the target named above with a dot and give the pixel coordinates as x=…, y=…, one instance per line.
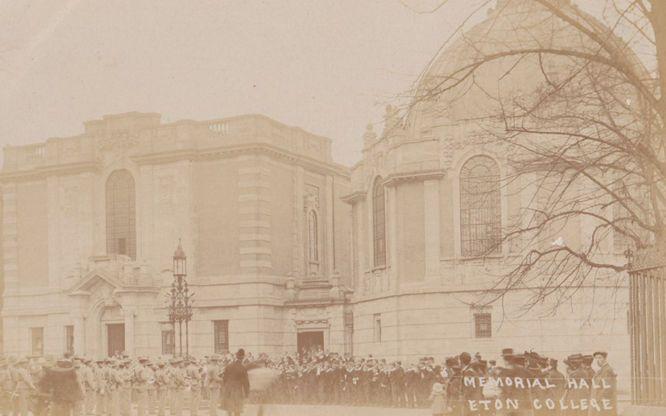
x=587, y=133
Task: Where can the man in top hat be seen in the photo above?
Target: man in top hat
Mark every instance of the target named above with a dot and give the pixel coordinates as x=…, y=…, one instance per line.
x=63, y=386
x=555, y=378
x=515, y=370
x=605, y=383
x=236, y=385
x=577, y=383
x=470, y=391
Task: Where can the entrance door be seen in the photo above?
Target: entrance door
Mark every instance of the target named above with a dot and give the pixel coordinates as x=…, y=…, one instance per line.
x=115, y=335
x=310, y=341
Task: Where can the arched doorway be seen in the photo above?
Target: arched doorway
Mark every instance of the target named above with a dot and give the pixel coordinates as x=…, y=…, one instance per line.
x=112, y=326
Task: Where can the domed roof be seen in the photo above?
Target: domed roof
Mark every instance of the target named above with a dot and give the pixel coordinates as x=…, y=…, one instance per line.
x=512, y=29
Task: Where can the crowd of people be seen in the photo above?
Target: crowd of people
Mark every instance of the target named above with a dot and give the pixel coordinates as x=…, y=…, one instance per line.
x=465, y=384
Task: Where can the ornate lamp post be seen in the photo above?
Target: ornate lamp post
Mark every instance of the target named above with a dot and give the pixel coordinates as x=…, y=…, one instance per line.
x=180, y=300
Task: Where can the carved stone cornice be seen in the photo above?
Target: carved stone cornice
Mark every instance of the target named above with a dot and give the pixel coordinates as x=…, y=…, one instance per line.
x=50, y=170
x=223, y=152
x=354, y=197
x=417, y=176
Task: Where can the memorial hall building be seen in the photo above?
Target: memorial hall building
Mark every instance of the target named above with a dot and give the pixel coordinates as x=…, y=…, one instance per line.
x=285, y=248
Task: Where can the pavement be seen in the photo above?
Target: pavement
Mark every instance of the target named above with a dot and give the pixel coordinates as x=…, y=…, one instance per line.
x=313, y=410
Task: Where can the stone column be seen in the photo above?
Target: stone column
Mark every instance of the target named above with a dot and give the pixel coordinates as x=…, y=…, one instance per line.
x=432, y=228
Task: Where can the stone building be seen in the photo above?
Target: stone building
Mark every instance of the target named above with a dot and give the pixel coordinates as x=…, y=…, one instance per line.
x=90, y=224
x=432, y=195
x=285, y=248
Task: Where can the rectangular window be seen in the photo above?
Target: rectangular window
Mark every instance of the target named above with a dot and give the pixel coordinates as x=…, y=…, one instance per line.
x=483, y=327
x=377, y=332
x=168, y=342
x=122, y=246
x=69, y=339
x=221, y=336
x=37, y=338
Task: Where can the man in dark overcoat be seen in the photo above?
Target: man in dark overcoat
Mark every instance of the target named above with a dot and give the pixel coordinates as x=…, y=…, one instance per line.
x=236, y=385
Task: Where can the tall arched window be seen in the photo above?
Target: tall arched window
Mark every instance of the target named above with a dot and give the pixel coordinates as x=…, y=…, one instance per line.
x=480, y=209
x=379, y=223
x=313, y=237
x=120, y=214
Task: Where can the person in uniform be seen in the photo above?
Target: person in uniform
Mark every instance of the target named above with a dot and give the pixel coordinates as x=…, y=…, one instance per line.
x=114, y=382
x=100, y=374
x=236, y=385
x=140, y=379
x=161, y=387
x=605, y=384
x=176, y=378
x=213, y=382
x=193, y=377
x=125, y=387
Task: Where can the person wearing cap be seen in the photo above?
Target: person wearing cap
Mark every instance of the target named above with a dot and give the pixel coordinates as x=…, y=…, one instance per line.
x=604, y=386
x=236, y=385
x=177, y=385
x=161, y=387
x=141, y=376
x=193, y=377
x=213, y=383
x=101, y=396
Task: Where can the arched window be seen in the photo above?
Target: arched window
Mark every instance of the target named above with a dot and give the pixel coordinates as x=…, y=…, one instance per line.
x=480, y=210
x=313, y=237
x=379, y=223
x=120, y=214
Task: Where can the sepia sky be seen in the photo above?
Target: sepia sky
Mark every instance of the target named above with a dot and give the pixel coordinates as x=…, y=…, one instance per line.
x=328, y=66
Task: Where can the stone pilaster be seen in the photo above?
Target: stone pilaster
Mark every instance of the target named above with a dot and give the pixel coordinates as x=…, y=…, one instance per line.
x=392, y=237
x=298, y=249
x=9, y=239
x=432, y=228
x=328, y=229
x=255, y=219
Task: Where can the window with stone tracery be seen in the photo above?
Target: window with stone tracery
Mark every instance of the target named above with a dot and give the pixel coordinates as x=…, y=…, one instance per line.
x=379, y=223
x=480, y=207
x=121, y=214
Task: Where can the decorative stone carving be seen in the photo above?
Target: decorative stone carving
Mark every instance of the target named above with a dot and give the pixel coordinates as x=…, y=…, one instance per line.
x=369, y=137
x=311, y=197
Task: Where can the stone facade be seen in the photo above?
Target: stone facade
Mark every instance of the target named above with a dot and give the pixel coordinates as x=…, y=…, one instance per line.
x=235, y=191
x=242, y=195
